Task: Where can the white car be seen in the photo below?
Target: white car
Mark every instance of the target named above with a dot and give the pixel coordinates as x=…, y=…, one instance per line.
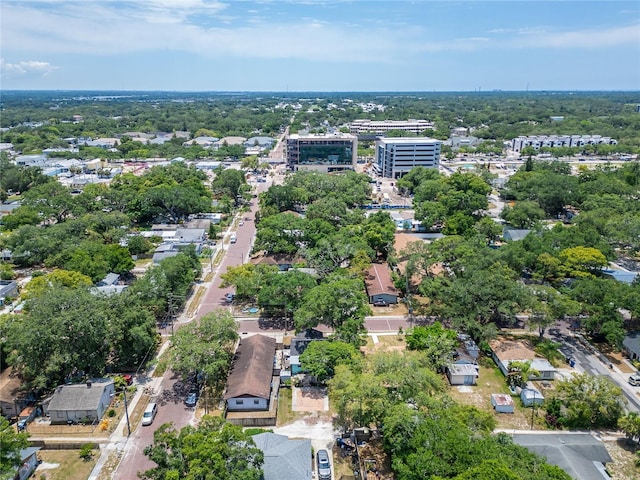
x=241, y=222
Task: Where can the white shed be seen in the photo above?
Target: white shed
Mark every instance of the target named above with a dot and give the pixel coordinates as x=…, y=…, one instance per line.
x=462, y=374
x=529, y=396
x=502, y=402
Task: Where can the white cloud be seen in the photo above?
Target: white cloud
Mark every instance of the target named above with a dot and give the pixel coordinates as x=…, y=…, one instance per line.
x=26, y=68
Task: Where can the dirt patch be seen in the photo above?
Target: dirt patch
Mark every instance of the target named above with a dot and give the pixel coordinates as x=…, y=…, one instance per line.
x=619, y=360
x=309, y=399
x=378, y=343
x=624, y=458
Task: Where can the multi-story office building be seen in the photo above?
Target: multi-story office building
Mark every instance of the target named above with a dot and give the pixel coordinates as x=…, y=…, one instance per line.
x=396, y=156
x=539, y=141
x=380, y=127
x=323, y=153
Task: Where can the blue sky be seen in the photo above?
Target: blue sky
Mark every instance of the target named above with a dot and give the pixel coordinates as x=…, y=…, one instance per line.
x=279, y=45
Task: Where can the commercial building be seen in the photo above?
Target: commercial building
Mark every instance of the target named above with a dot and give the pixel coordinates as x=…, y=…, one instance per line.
x=380, y=127
x=551, y=141
x=396, y=156
x=322, y=153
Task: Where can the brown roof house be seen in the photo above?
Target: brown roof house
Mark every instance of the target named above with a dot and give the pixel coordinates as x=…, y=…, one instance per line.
x=12, y=398
x=249, y=382
x=504, y=351
x=380, y=287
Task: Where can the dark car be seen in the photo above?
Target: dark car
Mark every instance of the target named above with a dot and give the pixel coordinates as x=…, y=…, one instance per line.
x=191, y=400
x=380, y=303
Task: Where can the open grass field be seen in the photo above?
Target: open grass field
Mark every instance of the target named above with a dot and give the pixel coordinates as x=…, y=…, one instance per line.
x=64, y=465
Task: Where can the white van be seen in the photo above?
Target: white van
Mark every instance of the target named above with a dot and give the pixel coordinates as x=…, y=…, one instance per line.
x=233, y=238
x=149, y=414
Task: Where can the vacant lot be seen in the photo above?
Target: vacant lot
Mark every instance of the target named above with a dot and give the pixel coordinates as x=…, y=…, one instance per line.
x=378, y=343
x=64, y=465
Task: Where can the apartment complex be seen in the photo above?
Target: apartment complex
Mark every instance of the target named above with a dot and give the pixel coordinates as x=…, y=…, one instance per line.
x=396, y=156
x=539, y=141
x=323, y=153
x=380, y=127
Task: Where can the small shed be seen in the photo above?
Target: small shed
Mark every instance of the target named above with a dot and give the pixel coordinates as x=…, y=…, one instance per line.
x=531, y=396
x=29, y=462
x=502, y=403
x=462, y=374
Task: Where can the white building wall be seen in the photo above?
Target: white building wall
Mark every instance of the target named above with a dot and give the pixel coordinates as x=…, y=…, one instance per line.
x=247, y=404
x=397, y=156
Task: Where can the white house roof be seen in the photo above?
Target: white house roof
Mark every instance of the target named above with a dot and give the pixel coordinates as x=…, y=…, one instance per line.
x=462, y=369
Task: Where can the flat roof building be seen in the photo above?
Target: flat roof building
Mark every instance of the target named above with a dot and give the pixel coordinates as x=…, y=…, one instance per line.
x=380, y=127
x=396, y=156
x=322, y=153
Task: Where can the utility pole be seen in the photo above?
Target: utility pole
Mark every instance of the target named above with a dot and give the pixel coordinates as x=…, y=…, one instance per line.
x=126, y=411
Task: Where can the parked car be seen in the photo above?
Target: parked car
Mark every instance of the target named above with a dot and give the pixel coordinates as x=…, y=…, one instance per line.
x=241, y=222
x=380, y=303
x=149, y=414
x=323, y=465
x=634, y=380
x=191, y=400
x=229, y=297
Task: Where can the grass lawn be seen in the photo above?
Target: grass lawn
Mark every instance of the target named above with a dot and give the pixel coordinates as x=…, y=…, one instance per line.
x=285, y=413
x=491, y=381
x=384, y=343
x=70, y=465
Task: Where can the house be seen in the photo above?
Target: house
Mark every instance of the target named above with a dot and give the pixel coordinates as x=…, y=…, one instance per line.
x=282, y=261
x=249, y=382
x=531, y=396
x=81, y=402
x=380, y=287
x=261, y=142
x=284, y=458
x=29, y=462
x=502, y=403
x=299, y=343
x=110, y=280
x=462, y=374
x=8, y=289
x=514, y=234
x=631, y=344
x=504, y=351
x=12, y=400
x=579, y=454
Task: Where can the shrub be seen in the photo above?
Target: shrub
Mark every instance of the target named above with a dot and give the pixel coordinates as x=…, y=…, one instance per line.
x=86, y=452
x=111, y=413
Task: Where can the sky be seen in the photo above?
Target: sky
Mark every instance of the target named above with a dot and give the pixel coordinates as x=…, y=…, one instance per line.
x=324, y=46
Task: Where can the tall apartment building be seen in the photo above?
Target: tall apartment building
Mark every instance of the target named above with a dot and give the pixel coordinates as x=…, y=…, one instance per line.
x=396, y=156
x=322, y=153
x=380, y=127
x=538, y=141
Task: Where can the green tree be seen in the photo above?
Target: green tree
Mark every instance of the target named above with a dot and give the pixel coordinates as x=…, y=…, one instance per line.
x=206, y=346
x=320, y=358
x=214, y=450
x=581, y=261
x=523, y=214
x=589, y=402
x=339, y=303
x=10, y=445
x=630, y=426
x=435, y=341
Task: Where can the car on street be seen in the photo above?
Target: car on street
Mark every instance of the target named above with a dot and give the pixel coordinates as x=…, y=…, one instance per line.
x=241, y=222
x=191, y=399
x=229, y=297
x=149, y=414
x=634, y=380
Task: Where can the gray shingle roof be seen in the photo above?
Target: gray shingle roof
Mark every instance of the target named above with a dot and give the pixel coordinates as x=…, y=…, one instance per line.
x=284, y=458
x=79, y=396
x=578, y=454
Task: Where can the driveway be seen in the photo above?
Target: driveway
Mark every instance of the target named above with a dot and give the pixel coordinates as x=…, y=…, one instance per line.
x=318, y=428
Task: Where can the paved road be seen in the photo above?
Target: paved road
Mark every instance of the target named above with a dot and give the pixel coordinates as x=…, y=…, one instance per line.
x=590, y=361
x=168, y=392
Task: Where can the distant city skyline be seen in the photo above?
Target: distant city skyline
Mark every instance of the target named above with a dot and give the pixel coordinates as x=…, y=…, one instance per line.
x=313, y=45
